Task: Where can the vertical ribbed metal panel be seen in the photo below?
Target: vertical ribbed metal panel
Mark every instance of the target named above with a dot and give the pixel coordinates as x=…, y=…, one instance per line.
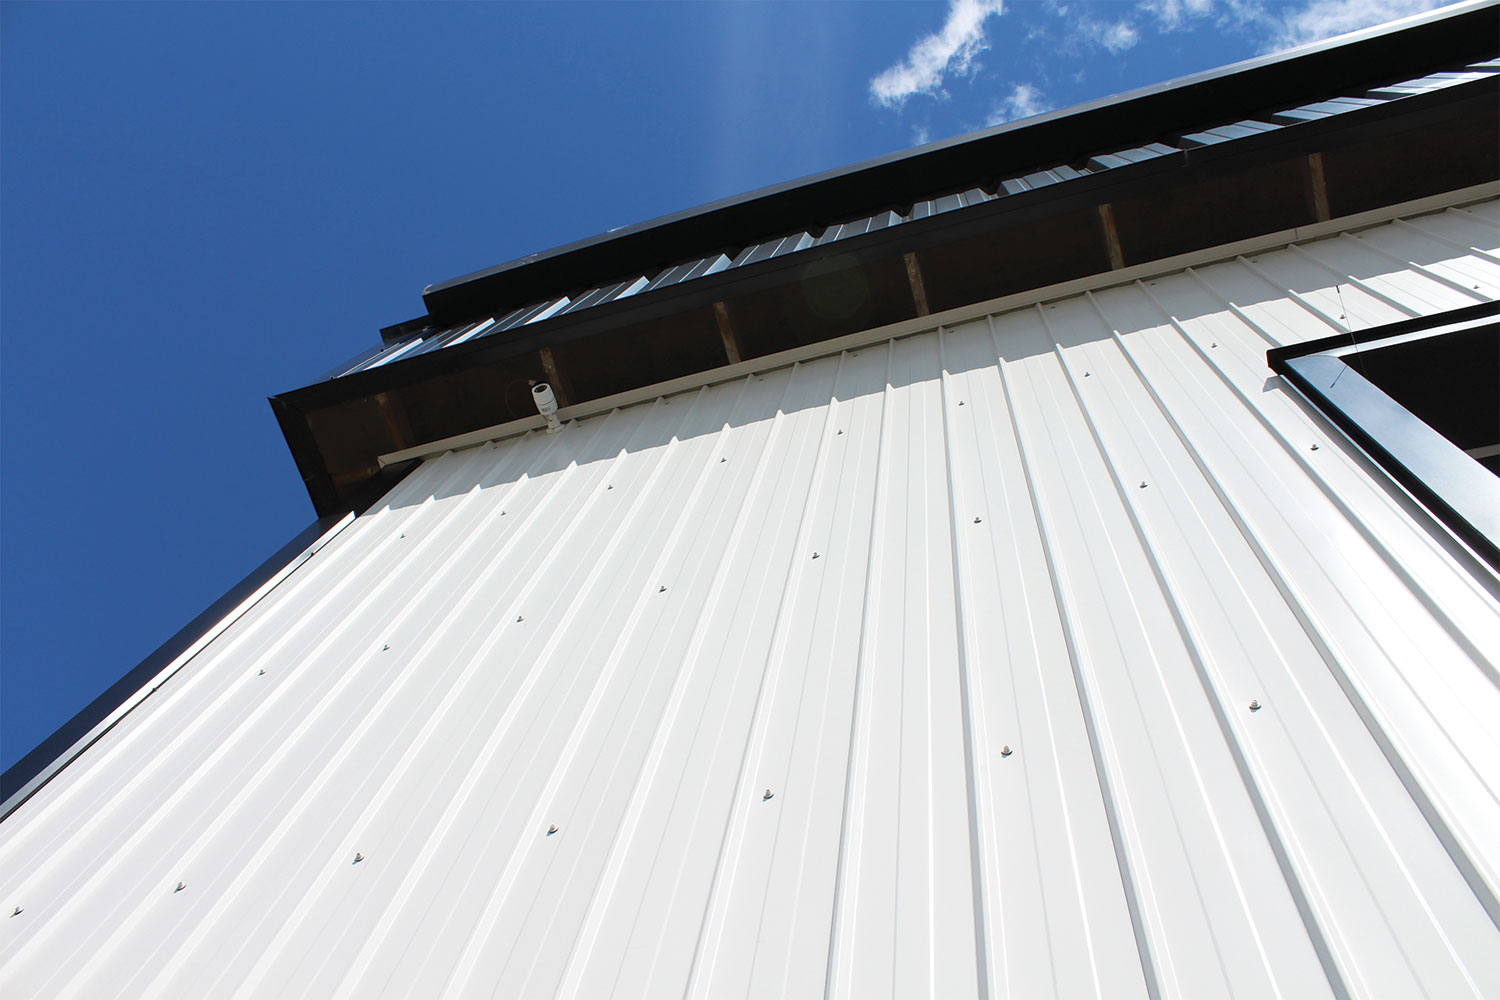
x=981, y=611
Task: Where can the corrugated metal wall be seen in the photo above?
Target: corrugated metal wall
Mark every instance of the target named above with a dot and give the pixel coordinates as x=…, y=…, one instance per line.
x=898, y=673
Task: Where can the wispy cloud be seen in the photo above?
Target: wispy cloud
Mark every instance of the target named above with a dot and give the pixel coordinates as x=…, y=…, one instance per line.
x=1281, y=25
x=1321, y=19
x=1023, y=101
x=1173, y=14
x=950, y=51
x=1115, y=36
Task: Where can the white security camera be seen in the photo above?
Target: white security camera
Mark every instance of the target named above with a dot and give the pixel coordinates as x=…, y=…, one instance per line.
x=546, y=405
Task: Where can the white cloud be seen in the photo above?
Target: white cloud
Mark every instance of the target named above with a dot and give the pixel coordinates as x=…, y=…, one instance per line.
x=1023, y=101
x=1116, y=37
x=1173, y=14
x=950, y=50
x=1321, y=19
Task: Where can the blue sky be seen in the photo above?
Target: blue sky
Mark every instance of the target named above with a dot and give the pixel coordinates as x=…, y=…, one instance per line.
x=202, y=205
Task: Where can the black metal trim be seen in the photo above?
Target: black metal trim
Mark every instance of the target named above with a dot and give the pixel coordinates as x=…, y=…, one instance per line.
x=1172, y=108
x=1458, y=491
x=1452, y=317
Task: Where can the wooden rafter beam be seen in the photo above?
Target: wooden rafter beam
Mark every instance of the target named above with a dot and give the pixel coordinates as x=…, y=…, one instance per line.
x=1111, y=236
x=555, y=378
x=1317, y=188
x=727, y=335
x=918, y=288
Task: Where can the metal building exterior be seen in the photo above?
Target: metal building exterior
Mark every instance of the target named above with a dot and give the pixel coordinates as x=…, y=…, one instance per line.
x=1055, y=642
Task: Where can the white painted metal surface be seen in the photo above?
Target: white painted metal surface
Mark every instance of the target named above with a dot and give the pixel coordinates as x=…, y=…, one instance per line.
x=904, y=672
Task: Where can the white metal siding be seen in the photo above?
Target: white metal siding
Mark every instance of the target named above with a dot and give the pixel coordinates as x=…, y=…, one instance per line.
x=880, y=568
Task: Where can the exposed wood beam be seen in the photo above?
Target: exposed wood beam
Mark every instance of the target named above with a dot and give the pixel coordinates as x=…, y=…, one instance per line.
x=726, y=333
x=1317, y=187
x=393, y=422
x=1111, y=236
x=560, y=387
x=918, y=289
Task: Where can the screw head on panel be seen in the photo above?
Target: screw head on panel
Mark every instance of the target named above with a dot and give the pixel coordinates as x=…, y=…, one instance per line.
x=723, y=459
x=977, y=520
x=1006, y=751
x=1254, y=706
x=662, y=589
x=403, y=534
x=1143, y=484
x=261, y=672
x=1313, y=448
x=610, y=486
x=385, y=646
x=1088, y=374
x=180, y=887
x=960, y=402
x=16, y=912
x=767, y=796
x=1214, y=344
x=358, y=857
x=815, y=555
x=841, y=430
x=520, y=618
x=551, y=829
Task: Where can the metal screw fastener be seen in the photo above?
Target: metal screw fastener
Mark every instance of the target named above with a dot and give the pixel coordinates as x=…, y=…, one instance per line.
x=519, y=618
x=262, y=673
x=960, y=402
x=976, y=520
x=662, y=589
x=403, y=534
x=385, y=646
x=16, y=912
x=610, y=486
x=1254, y=706
x=1006, y=751
x=841, y=431
x=766, y=797
x=358, y=857
x=1313, y=448
x=502, y=513
x=815, y=555
x=551, y=829
x=1143, y=484
x=180, y=887
x=1088, y=374
x=721, y=459
x=1214, y=344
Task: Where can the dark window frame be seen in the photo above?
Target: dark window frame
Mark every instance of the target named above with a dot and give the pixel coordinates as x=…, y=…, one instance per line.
x=1455, y=488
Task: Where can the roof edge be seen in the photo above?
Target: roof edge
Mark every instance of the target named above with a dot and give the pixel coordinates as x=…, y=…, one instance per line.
x=1460, y=31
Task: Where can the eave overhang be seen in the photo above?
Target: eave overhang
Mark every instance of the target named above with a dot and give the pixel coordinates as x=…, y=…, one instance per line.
x=1187, y=200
